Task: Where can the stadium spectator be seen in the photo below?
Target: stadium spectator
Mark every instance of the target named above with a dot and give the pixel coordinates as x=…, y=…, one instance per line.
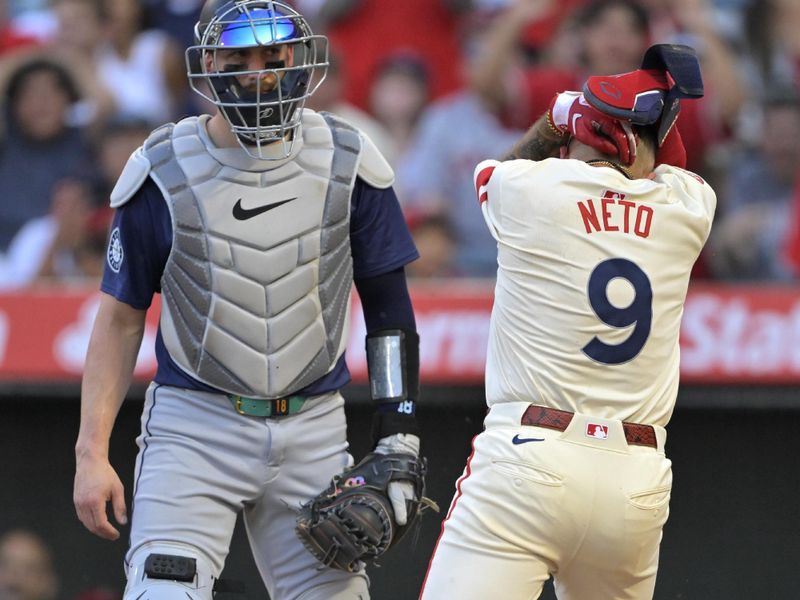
x=114, y=147
x=436, y=242
x=39, y=148
x=612, y=35
x=710, y=121
x=77, y=37
x=769, y=57
x=773, y=44
x=748, y=241
x=791, y=249
x=367, y=31
x=26, y=567
x=175, y=17
x=144, y=70
x=330, y=97
x=434, y=178
x=398, y=94
x=67, y=245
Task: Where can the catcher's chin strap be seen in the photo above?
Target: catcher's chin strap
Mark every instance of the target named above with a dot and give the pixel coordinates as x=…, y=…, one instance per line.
x=393, y=367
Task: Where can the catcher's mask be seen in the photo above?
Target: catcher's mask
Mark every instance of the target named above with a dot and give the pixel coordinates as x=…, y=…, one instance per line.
x=269, y=109
x=650, y=95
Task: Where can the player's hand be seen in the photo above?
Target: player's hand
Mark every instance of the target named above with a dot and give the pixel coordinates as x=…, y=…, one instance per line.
x=96, y=484
x=400, y=491
x=571, y=114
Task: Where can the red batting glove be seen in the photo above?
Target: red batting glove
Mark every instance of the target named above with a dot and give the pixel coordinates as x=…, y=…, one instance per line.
x=569, y=113
x=672, y=152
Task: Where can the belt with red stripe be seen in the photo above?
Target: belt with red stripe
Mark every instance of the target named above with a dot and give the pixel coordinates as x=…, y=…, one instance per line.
x=552, y=418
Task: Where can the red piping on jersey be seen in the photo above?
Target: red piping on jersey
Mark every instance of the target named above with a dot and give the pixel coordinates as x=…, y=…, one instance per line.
x=466, y=474
x=481, y=180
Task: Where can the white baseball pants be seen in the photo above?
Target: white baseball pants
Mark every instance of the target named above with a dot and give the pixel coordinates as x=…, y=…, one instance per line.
x=535, y=502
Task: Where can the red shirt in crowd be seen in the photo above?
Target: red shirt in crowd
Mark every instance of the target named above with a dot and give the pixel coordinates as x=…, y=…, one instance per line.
x=377, y=29
x=11, y=40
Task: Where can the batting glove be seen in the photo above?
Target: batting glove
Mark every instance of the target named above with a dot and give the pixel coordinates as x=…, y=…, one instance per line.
x=672, y=152
x=400, y=491
x=569, y=113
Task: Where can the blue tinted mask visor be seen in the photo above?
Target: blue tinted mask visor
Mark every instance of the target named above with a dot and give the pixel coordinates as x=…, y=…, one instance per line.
x=259, y=27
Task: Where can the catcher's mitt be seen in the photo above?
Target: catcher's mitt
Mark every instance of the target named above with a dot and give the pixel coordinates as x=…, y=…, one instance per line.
x=352, y=521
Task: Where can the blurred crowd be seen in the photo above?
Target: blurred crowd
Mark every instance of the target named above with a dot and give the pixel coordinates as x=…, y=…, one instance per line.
x=438, y=85
x=28, y=572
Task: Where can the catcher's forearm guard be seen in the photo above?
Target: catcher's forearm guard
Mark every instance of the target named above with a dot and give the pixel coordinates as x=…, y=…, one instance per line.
x=352, y=521
x=393, y=365
x=393, y=368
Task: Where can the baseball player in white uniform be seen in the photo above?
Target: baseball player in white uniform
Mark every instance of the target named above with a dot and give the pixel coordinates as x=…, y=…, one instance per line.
x=253, y=224
x=569, y=477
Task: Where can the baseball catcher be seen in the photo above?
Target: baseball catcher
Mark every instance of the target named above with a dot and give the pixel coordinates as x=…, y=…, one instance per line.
x=254, y=223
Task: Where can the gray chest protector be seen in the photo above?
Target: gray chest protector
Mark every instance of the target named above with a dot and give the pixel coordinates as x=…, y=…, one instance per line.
x=256, y=290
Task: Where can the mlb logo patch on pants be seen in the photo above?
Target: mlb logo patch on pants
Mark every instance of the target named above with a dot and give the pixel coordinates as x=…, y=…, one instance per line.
x=597, y=431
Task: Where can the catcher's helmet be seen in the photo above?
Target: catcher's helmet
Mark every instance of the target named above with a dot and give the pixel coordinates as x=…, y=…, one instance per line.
x=260, y=114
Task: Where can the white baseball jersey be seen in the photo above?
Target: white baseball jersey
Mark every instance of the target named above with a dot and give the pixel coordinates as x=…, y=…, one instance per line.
x=592, y=276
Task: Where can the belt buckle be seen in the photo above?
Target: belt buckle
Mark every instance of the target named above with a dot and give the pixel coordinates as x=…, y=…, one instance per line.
x=238, y=406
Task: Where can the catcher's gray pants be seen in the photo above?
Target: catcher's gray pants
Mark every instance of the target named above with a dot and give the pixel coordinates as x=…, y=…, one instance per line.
x=200, y=463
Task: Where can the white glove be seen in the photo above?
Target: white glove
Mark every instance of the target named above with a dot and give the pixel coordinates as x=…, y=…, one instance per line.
x=570, y=113
x=400, y=491
x=561, y=108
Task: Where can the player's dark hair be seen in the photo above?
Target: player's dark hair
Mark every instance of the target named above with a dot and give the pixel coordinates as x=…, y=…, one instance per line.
x=595, y=10
x=648, y=134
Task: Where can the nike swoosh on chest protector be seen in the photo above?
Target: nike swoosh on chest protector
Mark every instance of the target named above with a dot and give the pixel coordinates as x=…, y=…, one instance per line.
x=242, y=214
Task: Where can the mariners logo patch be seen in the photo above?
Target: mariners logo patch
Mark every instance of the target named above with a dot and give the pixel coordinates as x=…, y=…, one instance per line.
x=115, y=254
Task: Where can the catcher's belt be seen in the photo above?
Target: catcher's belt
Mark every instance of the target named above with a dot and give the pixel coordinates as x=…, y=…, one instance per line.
x=258, y=407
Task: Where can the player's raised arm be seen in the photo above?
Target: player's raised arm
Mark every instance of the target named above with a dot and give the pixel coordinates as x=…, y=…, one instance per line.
x=569, y=115
x=110, y=360
x=538, y=143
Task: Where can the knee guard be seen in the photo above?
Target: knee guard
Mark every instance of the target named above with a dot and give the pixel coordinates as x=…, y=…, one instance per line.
x=169, y=572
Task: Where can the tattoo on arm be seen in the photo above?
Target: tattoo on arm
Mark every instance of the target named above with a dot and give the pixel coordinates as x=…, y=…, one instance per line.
x=537, y=143
x=533, y=149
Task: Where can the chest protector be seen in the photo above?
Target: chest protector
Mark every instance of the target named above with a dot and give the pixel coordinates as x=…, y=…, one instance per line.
x=256, y=290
